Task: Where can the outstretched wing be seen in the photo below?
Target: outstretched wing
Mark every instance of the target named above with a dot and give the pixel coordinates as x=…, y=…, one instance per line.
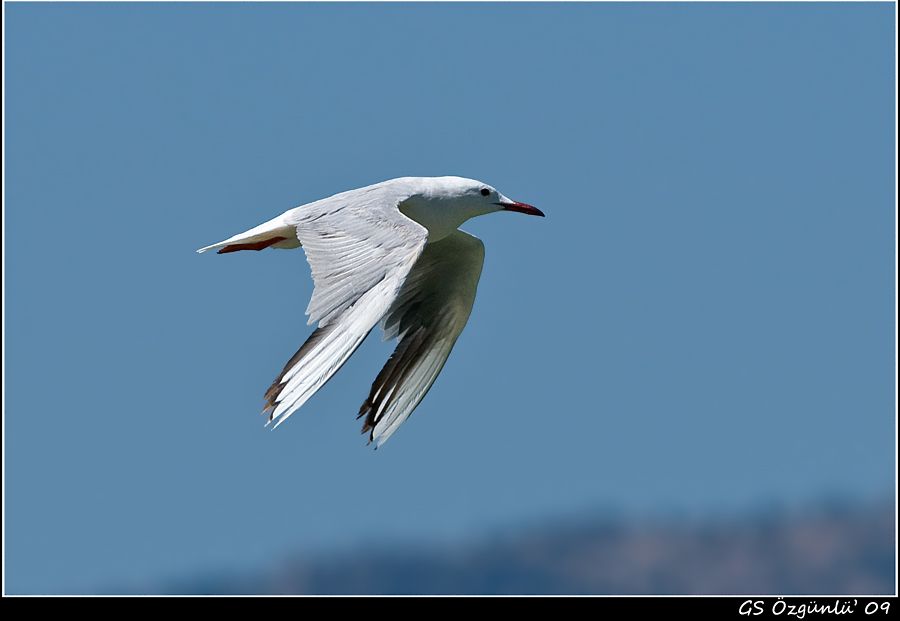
x=429, y=314
x=360, y=249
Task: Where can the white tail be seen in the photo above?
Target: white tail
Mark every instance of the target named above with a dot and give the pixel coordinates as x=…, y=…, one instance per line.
x=277, y=227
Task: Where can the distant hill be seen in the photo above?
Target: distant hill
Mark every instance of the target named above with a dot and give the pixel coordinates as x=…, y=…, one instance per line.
x=828, y=550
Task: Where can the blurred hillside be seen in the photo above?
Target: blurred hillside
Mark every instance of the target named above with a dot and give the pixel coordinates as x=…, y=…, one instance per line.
x=828, y=550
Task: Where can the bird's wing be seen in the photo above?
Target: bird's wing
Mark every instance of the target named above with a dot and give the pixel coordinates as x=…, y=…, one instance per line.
x=428, y=316
x=360, y=249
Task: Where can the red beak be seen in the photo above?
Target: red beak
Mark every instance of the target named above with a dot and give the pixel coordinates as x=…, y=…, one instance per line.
x=522, y=208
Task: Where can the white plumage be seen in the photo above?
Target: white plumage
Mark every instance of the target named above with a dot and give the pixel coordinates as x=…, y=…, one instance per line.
x=389, y=252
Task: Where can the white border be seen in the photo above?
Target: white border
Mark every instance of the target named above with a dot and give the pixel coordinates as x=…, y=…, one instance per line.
x=3, y=301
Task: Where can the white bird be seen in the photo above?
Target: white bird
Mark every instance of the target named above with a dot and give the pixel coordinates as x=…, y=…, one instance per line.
x=389, y=252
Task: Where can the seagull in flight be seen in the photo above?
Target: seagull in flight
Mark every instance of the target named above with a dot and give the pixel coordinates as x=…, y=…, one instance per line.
x=391, y=253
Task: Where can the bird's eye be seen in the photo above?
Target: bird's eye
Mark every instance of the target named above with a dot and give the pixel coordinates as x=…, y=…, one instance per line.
x=485, y=191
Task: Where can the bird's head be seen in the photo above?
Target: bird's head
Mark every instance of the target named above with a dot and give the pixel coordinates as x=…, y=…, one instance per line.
x=441, y=204
x=475, y=198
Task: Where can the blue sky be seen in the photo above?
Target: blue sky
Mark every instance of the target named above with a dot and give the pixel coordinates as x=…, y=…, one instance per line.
x=702, y=324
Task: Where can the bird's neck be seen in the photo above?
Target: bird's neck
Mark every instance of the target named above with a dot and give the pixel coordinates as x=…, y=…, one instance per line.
x=440, y=219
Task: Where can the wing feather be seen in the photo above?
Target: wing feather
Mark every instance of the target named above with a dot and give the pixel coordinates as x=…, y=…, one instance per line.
x=352, y=242
x=360, y=249
x=428, y=315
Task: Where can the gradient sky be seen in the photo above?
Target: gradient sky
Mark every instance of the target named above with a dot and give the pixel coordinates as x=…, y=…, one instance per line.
x=702, y=324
